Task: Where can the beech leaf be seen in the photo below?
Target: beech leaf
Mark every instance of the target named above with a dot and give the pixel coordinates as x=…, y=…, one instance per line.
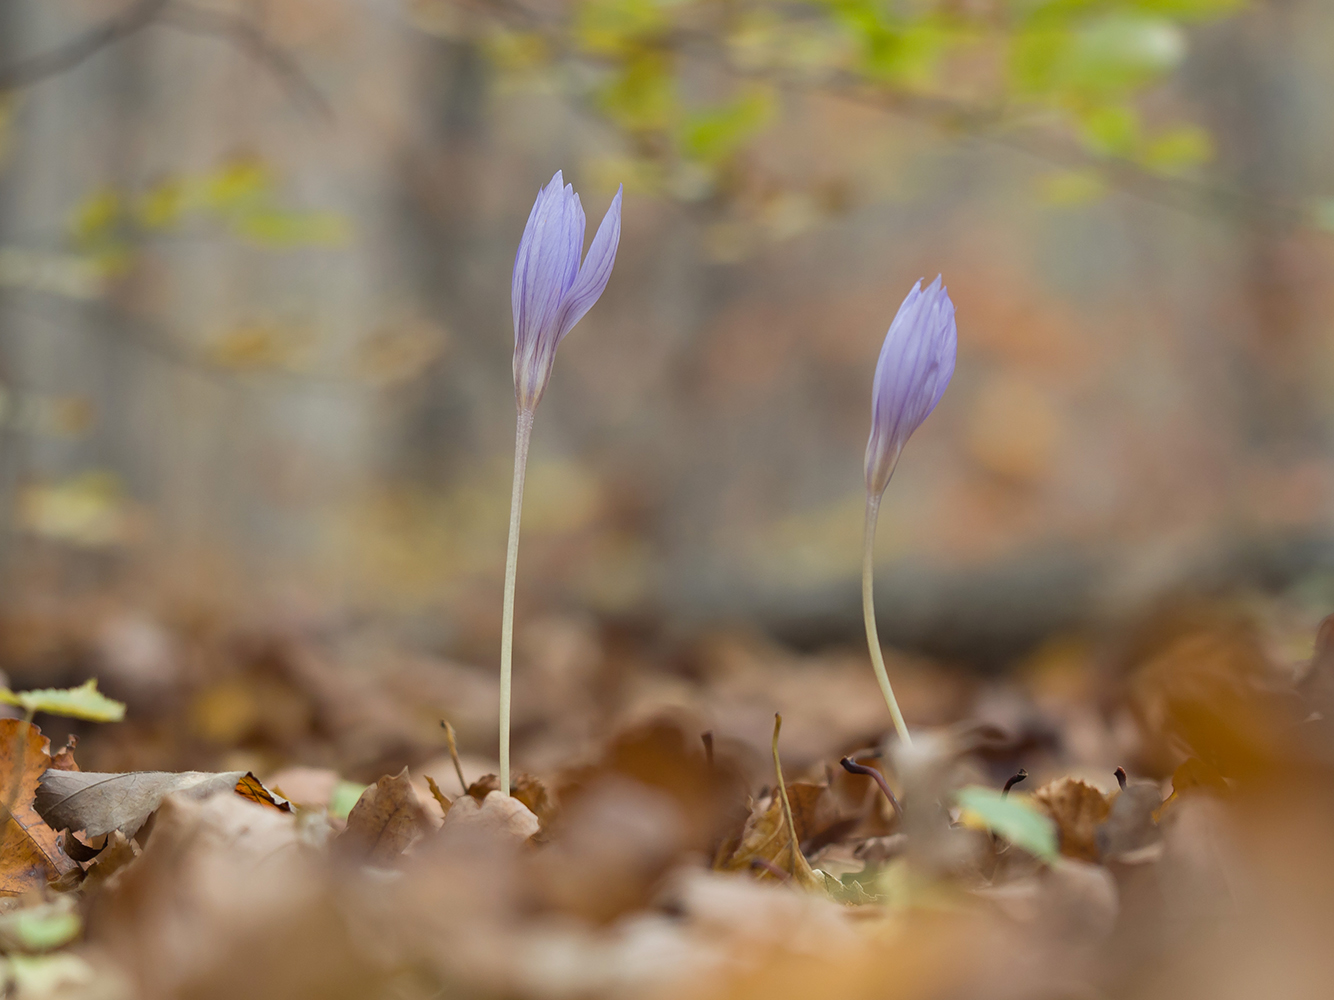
x=97, y=803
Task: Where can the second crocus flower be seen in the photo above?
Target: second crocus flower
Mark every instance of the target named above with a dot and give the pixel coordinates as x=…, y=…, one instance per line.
x=916, y=362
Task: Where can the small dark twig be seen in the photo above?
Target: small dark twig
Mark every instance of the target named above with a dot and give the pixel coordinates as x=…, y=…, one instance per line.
x=768, y=866
x=1018, y=776
x=65, y=57
x=707, y=739
x=1121, y=777
x=852, y=767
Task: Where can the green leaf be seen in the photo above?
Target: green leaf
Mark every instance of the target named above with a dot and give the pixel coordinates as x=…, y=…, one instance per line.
x=1011, y=818
x=83, y=702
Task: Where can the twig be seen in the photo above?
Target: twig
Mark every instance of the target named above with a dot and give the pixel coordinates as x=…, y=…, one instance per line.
x=454, y=754
x=1017, y=777
x=852, y=767
x=1120, y=773
x=707, y=739
x=65, y=57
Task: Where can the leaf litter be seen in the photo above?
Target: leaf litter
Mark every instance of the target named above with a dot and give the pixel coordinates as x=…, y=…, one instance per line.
x=659, y=864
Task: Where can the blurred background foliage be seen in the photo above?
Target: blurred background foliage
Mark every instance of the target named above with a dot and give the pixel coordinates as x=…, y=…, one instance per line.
x=254, y=330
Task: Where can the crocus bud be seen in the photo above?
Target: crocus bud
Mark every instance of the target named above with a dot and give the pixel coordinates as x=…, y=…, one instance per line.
x=551, y=291
x=915, y=365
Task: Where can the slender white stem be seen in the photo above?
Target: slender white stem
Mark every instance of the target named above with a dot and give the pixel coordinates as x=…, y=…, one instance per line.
x=868, y=613
x=521, y=437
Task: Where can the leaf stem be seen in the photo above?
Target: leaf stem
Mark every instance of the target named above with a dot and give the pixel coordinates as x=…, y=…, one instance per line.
x=522, y=435
x=868, y=614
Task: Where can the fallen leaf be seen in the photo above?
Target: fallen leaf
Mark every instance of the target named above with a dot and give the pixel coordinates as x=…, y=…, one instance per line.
x=770, y=840
x=1130, y=826
x=64, y=759
x=98, y=803
x=1077, y=808
x=442, y=800
x=118, y=852
x=30, y=853
x=82, y=702
x=533, y=793
x=249, y=787
x=502, y=815
x=386, y=819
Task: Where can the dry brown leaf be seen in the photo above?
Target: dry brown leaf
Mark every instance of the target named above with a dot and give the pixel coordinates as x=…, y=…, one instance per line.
x=533, y=793
x=441, y=799
x=501, y=815
x=1130, y=827
x=118, y=852
x=251, y=788
x=64, y=759
x=386, y=819
x=30, y=853
x=484, y=786
x=97, y=803
x=1077, y=808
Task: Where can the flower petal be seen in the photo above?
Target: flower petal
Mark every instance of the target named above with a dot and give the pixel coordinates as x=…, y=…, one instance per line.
x=915, y=365
x=595, y=271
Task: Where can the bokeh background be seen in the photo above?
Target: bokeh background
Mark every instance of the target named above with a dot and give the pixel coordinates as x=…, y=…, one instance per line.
x=255, y=346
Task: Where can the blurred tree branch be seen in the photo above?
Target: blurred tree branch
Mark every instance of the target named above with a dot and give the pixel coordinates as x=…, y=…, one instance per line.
x=996, y=122
x=65, y=57
x=249, y=38
x=233, y=28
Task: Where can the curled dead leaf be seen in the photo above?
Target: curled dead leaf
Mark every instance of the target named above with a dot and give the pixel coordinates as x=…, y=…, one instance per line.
x=384, y=822
x=1078, y=808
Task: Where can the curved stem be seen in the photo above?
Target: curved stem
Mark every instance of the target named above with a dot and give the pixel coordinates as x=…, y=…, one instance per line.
x=521, y=437
x=868, y=613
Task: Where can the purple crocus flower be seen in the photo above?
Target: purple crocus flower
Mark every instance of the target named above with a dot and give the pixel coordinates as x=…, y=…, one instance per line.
x=551, y=292
x=915, y=365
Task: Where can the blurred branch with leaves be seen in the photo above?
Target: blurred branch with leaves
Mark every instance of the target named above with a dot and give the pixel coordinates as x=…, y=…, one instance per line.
x=694, y=86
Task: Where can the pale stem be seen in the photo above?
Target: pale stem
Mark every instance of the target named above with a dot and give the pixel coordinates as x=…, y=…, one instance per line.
x=868, y=613
x=521, y=437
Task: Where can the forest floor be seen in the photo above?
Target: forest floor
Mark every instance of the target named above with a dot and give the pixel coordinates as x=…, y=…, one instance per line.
x=1144, y=812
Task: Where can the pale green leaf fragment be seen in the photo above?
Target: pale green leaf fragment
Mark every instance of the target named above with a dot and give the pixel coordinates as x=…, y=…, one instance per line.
x=1011, y=818
x=82, y=702
x=344, y=797
x=41, y=928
